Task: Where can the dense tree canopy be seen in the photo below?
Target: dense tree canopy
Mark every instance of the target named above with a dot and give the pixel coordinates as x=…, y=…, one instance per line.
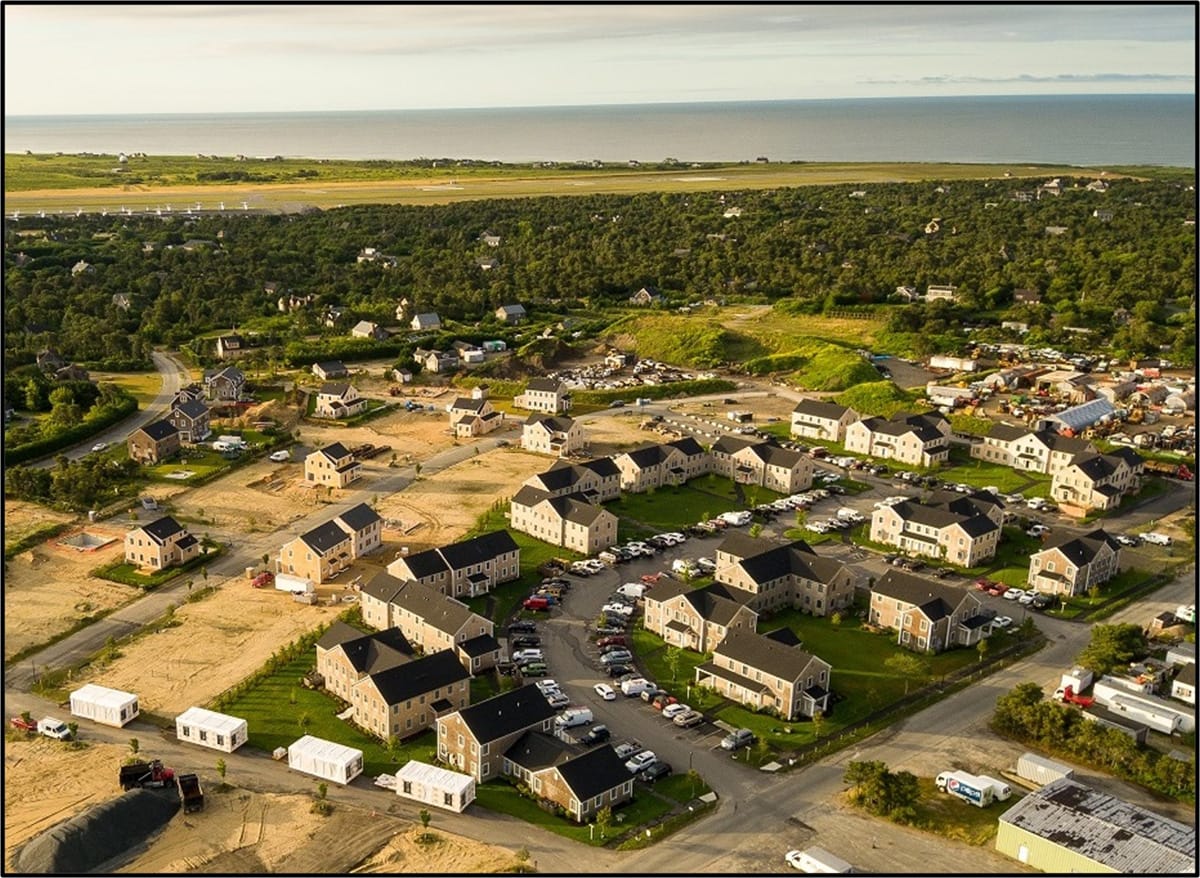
x=1130, y=275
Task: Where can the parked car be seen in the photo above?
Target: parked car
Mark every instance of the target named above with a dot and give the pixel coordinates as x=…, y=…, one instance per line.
x=619, y=670
x=616, y=658
x=1012, y=594
x=737, y=739
x=688, y=719
x=673, y=710
x=99, y=446
x=597, y=734
x=614, y=647
x=612, y=640
x=558, y=699
x=605, y=691
x=618, y=608
x=546, y=685
x=537, y=604
x=1126, y=540
x=1037, y=530
x=641, y=761
x=527, y=626
x=603, y=630
x=1002, y=621
x=280, y=456
x=654, y=771
x=523, y=655
x=626, y=749
x=534, y=669
x=1027, y=598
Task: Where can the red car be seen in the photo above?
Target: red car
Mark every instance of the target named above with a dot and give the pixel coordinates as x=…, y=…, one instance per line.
x=263, y=580
x=982, y=584
x=536, y=603
x=19, y=722
x=613, y=640
x=651, y=578
x=997, y=588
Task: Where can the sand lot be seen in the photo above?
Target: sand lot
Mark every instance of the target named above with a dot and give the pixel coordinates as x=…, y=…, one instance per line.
x=450, y=853
x=48, y=588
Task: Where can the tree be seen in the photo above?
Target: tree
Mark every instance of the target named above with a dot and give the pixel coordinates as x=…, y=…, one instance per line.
x=134, y=746
x=604, y=820
x=424, y=816
x=522, y=858
x=756, y=529
x=818, y=720
x=393, y=747
x=305, y=720
x=907, y=666
x=881, y=791
x=674, y=657
x=221, y=769
x=983, y=647
x=1113, y=646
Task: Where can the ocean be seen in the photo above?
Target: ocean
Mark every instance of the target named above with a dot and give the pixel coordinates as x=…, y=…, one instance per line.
x=1090, y=130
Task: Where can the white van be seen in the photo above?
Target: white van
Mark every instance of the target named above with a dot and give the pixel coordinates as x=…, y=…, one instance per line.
x=1156, y=539
x=636, y=686
x=53, y=728
x=574, y=716
x=632, y=590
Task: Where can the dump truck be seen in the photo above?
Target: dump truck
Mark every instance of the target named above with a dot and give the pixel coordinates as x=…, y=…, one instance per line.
x=1174, y=470
x=190, y=793
x=145, y=774
x=1067, y=695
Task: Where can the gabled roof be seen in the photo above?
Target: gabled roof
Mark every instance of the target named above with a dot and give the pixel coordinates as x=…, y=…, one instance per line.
x=550, y=423
x=334, y=388
x=1096, y=466
x=335, y=451
x=231, y=373
x=331, y=366
x=529, y=496
x=466, y=404
x=818, y=409
x=383, y=586
x=360, y=517
x=478, y=550
x=513, y=310
x=1083, y=549
x=935, y=599
x=795, y=558
x=765, y=654
x=1007, y=432
x=536, y=750
x=427, y=318
x=506, y=713
x=325, y=537
x=434, y=608
x=481, y=644
x=162, y=529
x=594, y=772
x=922, y=426
x=712, y=605
x=368, y=653
x=604, y=467
x=159, y=430
x=575, y=508
x=192, y=409
x=547, y=384
x=786, y=636
x=419, y=676
x=426, y=563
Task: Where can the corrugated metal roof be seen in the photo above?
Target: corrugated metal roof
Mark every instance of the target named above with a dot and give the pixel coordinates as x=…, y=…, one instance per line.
x=1115, y=833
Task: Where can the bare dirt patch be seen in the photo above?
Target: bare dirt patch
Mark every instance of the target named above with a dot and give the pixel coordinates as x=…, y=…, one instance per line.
x=46, y=783
x=255, y=498
x=48, y=588
x=448, y=854
x=21, y=518
x=219, y=641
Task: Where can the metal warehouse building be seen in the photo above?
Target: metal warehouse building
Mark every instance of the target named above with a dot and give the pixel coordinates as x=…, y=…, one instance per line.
x=1068, y=827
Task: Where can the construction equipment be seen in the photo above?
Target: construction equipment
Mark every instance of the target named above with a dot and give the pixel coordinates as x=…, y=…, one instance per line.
x=146, y=774
x=190, y=793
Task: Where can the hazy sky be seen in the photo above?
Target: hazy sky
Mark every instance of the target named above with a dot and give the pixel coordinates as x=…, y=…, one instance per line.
x=62, y=59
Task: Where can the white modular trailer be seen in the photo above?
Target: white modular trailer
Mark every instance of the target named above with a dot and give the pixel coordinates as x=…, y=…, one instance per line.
x=1147, y=710
x=435, y=786
x=110, y=707
x=325, y=759
x=294, y=584
x=818, y=861
x=211, y=729
x=1041, y=770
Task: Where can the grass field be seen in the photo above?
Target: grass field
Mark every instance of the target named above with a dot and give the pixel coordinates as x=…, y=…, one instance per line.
x=674, y=507
x=68, y=183
x=142, y=386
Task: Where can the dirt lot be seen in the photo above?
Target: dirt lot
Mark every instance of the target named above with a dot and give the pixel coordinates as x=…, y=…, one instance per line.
x=450, y=853
x=48, y=588
x=21, y=518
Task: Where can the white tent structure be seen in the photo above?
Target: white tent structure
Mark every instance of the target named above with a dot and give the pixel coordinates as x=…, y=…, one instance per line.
x=325, y=759
x=435, y=786
x=211, y=729
x=111, y=707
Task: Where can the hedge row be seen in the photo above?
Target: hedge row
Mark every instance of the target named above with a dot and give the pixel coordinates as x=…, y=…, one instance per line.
x=89, y=427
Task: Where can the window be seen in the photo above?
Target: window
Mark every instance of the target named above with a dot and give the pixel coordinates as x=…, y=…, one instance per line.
x=185, y=731
x=486, y=768
x=448, y=800
x=221, y=740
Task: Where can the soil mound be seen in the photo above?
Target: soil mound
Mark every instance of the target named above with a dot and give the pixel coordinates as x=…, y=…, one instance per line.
x=102, y=832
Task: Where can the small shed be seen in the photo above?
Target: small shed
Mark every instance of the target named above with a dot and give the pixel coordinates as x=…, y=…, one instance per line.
x=435, y=786
x=211, y=729
x=110, y=707
x=325, y=759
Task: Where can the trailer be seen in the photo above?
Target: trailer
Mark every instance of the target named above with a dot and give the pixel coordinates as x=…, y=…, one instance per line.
x=967, y=787
x=208, y=728
x=1041, y=770
x=1079, y=679
x=435, y=786
x=325, y=759
x=110, y=707
x=818, y=861
x=190, y=793
x=294, y=584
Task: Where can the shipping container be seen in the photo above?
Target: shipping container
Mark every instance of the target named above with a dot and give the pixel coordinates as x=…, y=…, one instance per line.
x=435, y=786
x=294, y=584
x=1079, y=679
x=111, y=707
x=210, y=729
x=325, y=759
x=1041, y=770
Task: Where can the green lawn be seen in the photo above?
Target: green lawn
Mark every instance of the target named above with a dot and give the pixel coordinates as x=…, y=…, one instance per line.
x=981, y=473
x=676, y=507
x=681, y=787
x=1123, y=583
x=127, y=574
x=202, y=461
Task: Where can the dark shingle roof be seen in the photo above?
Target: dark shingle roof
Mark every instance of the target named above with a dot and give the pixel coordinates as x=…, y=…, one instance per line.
x=786, y=636
x=334, y=388
x=506, y=713
x=552, y=423
x=368, y=653
x=1095, y=466
x=483, y=644
x=934, y=599
x=160, y=430
x=325, y=536
x=192, y=409
x=534, y=751
x=574, y=507
x=1007, y=432
x=528, y=495
x=383, y=586
x=466, y=404
x=604, y=467
x=765, y=654
x=764, y=561
x=330, y=366
x=434, y=608
x=687, y=445
x=712, y=606
x=425, y=563
x=419, y=676
x=360, y=516
x=546, y=384
x=1082, y=549
x=335, y=451
x=593, y=773
x=819, y=409
x=163, y=529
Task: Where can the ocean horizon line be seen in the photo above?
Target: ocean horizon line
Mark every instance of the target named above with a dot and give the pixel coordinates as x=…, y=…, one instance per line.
x=608, y=106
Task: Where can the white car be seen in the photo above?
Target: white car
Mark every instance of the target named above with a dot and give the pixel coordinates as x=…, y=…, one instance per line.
x=1027, y=598
x=99, y=446
x=620, y=609
x=605, y=691
x=526, y=655
x=557, y=699
x=546, y=685
x=673, y=710
x=593, y=565
x=1013, y=594
x=737, y=519
x=640, y=761
x=1002, y=621
x=281, y=456
x=1037, y=530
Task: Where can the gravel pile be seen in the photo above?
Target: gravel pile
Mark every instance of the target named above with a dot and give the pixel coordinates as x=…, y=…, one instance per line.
x=102, y=832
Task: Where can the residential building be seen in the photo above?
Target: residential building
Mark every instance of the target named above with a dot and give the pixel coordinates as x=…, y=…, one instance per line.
x=598, y=480
x=345, y=655
x=229, y=346
x=959, y=531
x=581, y=783
x=468, y=568
x=426, y=321
x=435, y=361
x=474, y=739
x=761, y=462
x=647, y=295
x=1097, y=481
x=550, y=434
x=192, y=419
x=824, y=421
x=367, y=329
x=927, y=616
x=783, y=575
x=1027, y=297
x=544, y=395
x=365, y=528
x=225, y=385
x=511, y=314
x=694, y=618
x=946, y=292
x=766, y=674
x=332, y=465
x=470, y=417
x=917, y=440
x=1070, y=565
x=330, y=369
x=1068, y=827
x=318, y=555
x=338, y=399
x=572, y=521
x=154, y=442
x=160, y=544
x=671, y=463
x=1183, y=687
x=1039, y=451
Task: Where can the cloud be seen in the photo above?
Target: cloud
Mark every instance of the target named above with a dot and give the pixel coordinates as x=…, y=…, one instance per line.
x=1064, y=78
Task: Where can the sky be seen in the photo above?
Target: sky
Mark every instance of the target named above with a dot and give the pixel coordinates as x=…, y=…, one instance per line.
x=63, y=60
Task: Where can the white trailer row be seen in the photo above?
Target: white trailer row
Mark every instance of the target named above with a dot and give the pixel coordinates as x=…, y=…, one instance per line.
x=1156, y=713
x=325, y=759
x=435, y=786
x=110, y=707
x=208, y=728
